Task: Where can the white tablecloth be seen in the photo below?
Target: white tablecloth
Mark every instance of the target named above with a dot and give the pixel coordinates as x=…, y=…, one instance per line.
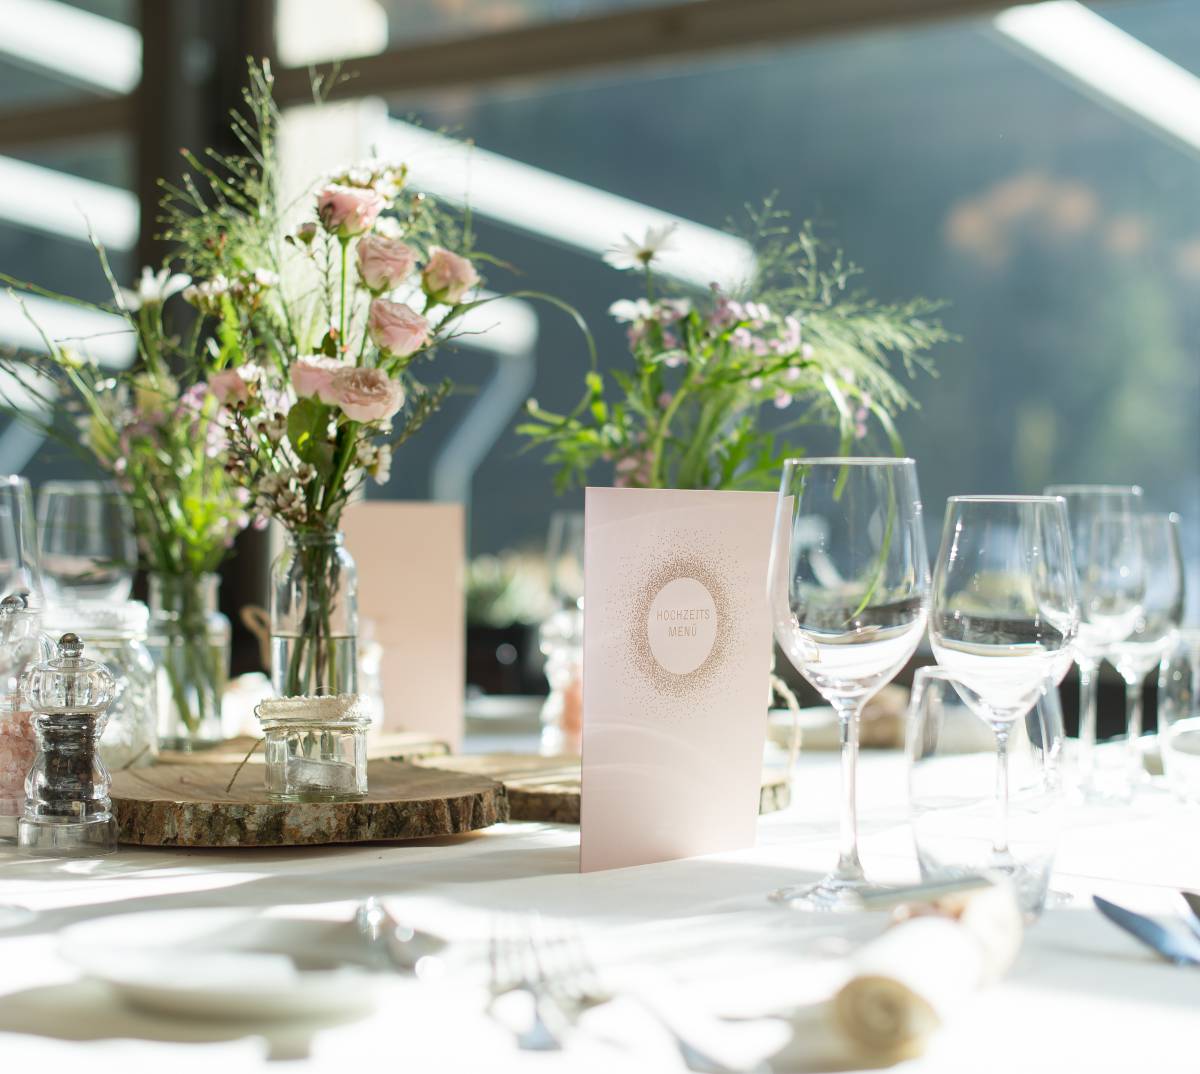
x=1083, y=995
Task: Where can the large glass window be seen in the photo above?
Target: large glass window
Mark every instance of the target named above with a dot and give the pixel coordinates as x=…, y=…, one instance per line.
x=1063, y=231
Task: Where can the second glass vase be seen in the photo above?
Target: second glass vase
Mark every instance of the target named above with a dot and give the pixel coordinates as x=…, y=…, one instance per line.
x=314, y=617
x=189, y=641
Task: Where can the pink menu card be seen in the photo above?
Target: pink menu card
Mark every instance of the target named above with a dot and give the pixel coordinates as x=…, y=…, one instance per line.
x=677, y=652
x=410, y=558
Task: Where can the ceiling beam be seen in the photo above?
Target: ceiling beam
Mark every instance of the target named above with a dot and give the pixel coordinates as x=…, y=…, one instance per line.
x=569, y=46
x=564, y=47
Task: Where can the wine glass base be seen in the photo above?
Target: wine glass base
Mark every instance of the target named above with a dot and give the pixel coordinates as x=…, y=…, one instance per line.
x=833, y=894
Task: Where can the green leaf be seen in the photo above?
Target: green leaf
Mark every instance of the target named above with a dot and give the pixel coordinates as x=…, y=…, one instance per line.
x=307, y=423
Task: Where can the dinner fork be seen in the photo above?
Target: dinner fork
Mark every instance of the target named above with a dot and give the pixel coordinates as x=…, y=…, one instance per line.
x=515, y=965
x=575, y=986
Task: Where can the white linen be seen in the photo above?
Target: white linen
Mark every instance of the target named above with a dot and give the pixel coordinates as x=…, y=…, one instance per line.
x=692, y=935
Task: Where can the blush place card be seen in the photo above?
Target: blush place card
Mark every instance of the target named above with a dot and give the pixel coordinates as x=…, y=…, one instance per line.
x=677, y=652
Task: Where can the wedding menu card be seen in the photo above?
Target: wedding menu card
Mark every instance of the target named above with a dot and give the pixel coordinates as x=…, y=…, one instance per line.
x=677, y=651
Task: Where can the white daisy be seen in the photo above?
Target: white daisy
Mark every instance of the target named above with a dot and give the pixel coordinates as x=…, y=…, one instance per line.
x=154, y=288
x=629, y=253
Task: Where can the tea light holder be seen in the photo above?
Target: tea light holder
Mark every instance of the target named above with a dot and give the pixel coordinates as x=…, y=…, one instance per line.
x=67, y=808
x=316, y=747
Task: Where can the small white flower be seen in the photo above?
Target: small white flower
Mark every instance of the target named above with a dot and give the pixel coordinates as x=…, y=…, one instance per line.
x=154, y=288
x=630, y=310
x=382, y=469
x=629, y=253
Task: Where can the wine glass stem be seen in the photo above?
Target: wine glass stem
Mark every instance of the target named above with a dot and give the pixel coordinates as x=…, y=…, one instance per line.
x=1000, y=841
x=849, y=866
x=1088, y=674
x=1133, y=723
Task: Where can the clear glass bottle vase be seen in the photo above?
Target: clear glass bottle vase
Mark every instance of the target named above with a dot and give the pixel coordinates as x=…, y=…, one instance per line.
x=314, y=617
x=189, y=641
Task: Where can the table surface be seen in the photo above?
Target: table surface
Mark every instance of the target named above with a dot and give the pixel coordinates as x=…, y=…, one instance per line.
x=1083, y=995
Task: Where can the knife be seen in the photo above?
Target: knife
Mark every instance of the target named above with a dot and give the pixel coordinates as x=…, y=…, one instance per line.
x=1193, y=915
x=1181, y=948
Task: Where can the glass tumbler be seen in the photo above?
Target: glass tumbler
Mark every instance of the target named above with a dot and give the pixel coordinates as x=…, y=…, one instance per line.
x=1179, y=716
x=962, y=821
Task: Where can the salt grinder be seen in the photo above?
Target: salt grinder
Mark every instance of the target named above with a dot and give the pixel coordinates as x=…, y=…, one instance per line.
x=67, y=808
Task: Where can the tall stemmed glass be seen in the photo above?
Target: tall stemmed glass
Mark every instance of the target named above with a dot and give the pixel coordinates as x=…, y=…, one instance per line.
x=1156, y=628
x=1005, y=614
x=1106, y=548
x=849, y=594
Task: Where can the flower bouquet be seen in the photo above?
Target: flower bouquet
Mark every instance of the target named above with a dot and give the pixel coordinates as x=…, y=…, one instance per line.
x=688, y=414
x=317, y=327
x=164, y=446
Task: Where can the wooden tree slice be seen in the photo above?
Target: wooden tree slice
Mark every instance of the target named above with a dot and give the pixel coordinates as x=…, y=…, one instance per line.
x=387, y=746
x=188, y=805
x=547, y=788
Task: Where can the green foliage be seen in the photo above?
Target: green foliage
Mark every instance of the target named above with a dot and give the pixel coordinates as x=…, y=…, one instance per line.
x=798, y=337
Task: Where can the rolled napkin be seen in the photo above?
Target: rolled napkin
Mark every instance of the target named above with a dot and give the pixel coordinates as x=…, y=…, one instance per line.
x=906, y=984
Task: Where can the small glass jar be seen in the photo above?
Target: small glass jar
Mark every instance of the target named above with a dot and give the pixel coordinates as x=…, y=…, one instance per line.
x=315, y=747
x=561, y=640
x=21, y=643
x=67, y=808
x=116, y=635
x=189, y=640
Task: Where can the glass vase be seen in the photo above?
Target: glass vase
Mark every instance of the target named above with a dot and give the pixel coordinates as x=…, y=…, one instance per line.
x=189, y=641
x=314, y=617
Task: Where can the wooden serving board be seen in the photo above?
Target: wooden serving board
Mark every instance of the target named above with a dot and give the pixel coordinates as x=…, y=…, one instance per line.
x=547, y=788
x=388, y=746
x=188, y=806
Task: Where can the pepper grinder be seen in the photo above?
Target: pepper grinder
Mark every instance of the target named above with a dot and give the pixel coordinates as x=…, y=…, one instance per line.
x=67, y=808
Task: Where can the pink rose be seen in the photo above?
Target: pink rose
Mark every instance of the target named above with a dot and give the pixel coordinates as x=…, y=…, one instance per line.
x=313, y=375
x=447, y=277
x=346, y=211
x=383, y=263
x=229, y=387
x=395, y=328
x=366, y=394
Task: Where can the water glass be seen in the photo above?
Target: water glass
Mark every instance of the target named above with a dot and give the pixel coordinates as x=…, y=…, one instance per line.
x=1179, y=716
x=963, y=821
x=20, y=566
x=88, y=548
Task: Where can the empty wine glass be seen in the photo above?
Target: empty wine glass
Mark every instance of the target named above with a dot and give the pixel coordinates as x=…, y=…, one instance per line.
x=955, y=796
x=1154, y=633
x=20, y=569
x=849, y=593
x=1106, y=548
x=1005, y=613
x=88, y=548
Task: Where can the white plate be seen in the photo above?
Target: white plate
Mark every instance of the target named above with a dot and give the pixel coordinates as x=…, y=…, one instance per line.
x=224, y=964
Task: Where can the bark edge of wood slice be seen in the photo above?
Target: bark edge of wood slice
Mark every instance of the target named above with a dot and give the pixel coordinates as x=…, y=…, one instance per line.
x=547, y=788
x=176, y=805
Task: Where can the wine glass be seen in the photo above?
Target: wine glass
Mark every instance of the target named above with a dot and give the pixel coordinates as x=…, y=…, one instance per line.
x=1005, y=616
x=849, y=596
x=953, y=793
x=1106, y=548
x=1154, y=633
x=20, y=569
x=564, y=558
x=88, y=548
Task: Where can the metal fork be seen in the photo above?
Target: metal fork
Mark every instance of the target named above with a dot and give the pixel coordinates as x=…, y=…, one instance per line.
x=576, y=987
x=514, y=965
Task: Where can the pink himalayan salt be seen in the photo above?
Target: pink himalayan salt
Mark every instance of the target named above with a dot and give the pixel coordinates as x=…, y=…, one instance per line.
x=18, y=744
